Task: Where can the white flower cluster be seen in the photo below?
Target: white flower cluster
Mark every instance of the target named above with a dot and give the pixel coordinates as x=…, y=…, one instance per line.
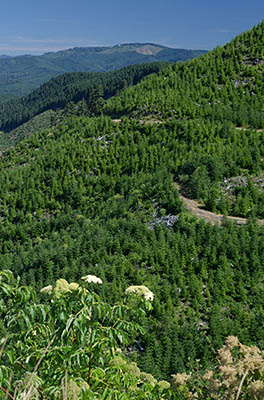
x=142, y=291
x=92, y=279
x=47, y=289
x=62, y=286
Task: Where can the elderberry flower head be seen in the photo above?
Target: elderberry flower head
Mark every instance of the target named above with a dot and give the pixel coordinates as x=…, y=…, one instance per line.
x=92, y=279
x=141, y=290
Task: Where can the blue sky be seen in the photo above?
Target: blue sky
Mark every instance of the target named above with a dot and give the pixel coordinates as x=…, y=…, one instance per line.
x=36, y=27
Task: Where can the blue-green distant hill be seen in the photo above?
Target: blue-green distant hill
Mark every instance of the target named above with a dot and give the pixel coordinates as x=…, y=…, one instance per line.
x=22, y=74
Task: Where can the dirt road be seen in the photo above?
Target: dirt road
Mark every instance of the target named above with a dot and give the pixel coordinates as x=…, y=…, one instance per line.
x=196, y=208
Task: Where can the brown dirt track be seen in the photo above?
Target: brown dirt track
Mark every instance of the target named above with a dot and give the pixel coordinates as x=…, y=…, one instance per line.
x=196, y=208
x=192, y=205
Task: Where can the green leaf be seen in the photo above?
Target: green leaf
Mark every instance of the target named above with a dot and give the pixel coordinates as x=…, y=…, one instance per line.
x=105, y=394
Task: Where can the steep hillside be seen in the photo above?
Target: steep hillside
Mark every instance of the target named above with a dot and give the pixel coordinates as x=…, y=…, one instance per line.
x=95, y=197
x=22, y=74
x=73, y=87
x=224, y=85
x=98, y=196
x=218, y=101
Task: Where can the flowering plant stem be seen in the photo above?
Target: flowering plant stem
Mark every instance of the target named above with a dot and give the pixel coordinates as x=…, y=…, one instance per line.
x=241, y=384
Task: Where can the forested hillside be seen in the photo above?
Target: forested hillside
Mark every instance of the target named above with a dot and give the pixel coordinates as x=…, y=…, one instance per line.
x=99, y=195
x=218, y=101
x=22, y=74
x=73, y=87
x=224, y=85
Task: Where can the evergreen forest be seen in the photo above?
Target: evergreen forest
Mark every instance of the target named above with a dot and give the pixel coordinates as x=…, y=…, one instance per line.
x=20, y=75
x=99, y=193
x=73, y=87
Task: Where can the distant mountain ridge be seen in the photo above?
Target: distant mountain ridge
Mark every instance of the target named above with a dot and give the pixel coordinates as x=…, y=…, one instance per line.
x=21, y=74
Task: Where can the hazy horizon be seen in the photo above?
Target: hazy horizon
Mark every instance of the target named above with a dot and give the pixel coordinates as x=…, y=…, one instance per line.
x=36, y=28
